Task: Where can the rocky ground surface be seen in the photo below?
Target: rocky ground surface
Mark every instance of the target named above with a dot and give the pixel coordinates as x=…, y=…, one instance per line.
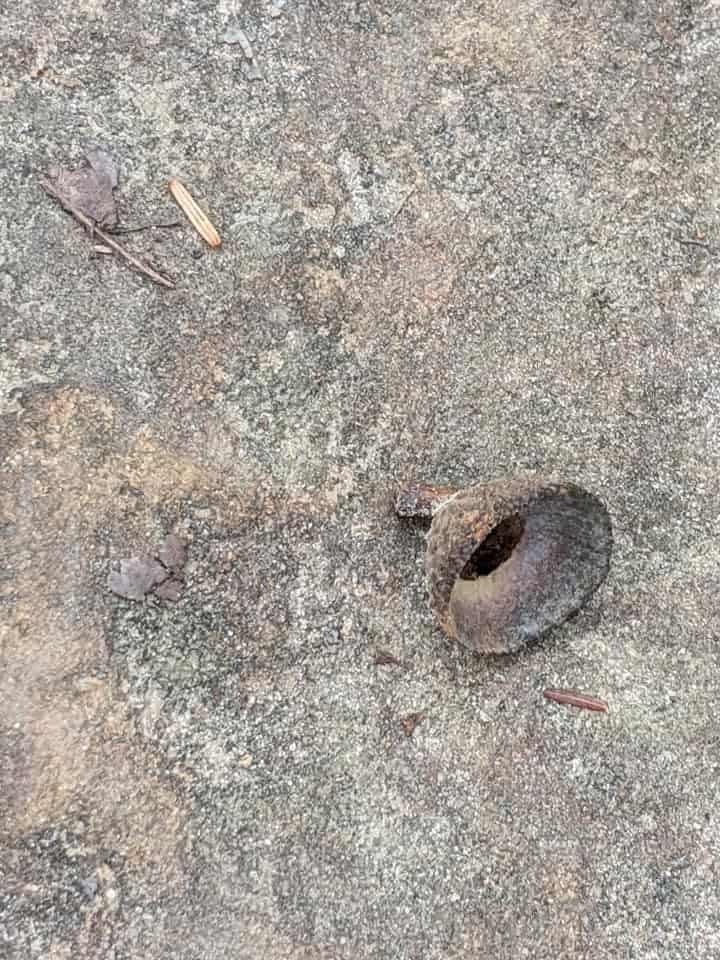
x=462, y=240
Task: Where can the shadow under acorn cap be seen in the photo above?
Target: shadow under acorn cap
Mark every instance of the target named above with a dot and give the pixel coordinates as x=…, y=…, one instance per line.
x=508, y=561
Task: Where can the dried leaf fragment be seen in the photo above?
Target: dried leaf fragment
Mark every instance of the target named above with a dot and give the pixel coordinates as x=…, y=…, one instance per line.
x=87, y=194
x=170, y=589
x=136, y=577
x=89, y=189
x=103, y=165
x=410, y=722
x=172, y=553
x=194, y=214
x=160, y=574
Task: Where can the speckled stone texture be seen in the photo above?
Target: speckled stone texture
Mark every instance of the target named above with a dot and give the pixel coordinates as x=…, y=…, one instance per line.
x=462, y=241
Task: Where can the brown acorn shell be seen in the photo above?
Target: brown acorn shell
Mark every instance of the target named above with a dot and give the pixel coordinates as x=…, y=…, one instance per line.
x=508, y=561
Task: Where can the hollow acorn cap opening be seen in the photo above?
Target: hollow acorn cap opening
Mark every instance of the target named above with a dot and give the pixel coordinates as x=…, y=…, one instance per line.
x=506, y=562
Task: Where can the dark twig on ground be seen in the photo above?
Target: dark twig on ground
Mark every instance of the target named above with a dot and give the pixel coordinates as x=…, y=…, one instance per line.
x=583, y=700
x=95, y=231
x=402, y=204
x=690, y=242
x=146, y=226
x=384, y=659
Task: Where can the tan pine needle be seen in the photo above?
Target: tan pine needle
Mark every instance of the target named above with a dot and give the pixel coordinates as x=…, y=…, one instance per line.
x=194, y=214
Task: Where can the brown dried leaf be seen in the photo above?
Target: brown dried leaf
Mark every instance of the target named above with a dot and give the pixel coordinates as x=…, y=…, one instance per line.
x=170, y=589
x=410, y=722
x=89, y=189
x=172, y=553
x=136, y=577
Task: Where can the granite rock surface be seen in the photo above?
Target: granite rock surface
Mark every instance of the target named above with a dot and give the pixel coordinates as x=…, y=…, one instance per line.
x=462, y=240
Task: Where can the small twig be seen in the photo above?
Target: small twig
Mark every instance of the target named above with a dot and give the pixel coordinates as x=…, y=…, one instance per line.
x=147, y=226
x=689, y=242
x=582, y=700
x=400, y=209
x=95, y=231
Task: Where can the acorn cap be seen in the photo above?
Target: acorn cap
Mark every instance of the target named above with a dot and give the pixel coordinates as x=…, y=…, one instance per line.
x=508, y=561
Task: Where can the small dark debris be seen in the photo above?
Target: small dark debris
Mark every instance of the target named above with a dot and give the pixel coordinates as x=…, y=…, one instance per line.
x=136, y=577
x=384, y=659
x=410, y=722
x=160, y=574
x=172, y=553
x=89, y=189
